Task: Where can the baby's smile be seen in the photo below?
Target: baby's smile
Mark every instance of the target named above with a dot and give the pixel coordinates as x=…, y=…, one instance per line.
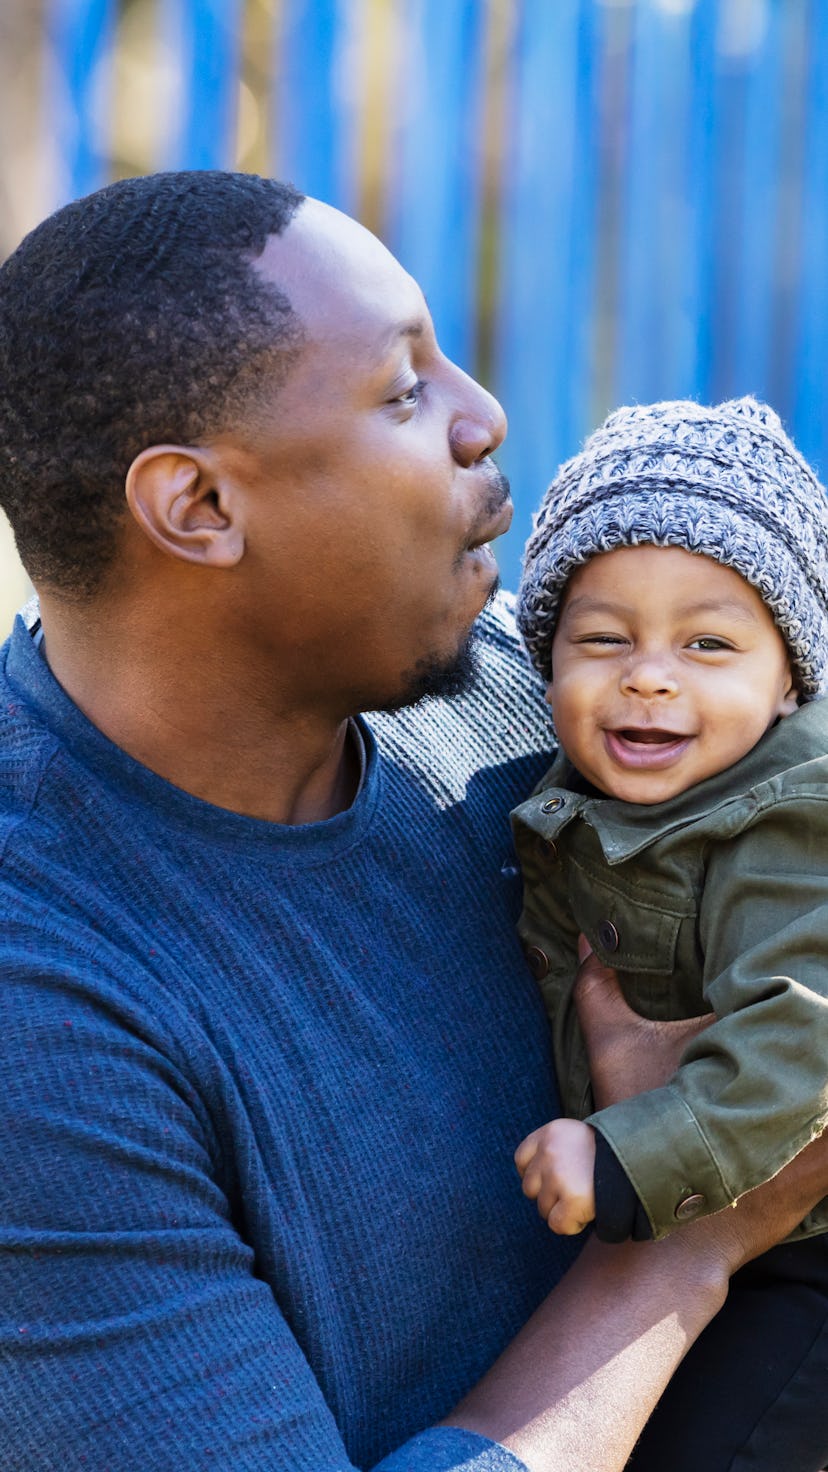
x=640, y=747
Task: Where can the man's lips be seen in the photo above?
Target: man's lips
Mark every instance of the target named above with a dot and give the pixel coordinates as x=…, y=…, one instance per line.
x=494, y=528
x=646, y=747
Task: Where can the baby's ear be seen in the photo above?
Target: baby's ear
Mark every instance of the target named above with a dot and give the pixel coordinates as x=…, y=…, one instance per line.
x=791, y=699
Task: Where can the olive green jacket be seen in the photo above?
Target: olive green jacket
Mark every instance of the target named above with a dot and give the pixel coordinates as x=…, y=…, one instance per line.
x=717, y=899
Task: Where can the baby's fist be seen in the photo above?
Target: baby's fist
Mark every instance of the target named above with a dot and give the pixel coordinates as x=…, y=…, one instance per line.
x=556, y=1164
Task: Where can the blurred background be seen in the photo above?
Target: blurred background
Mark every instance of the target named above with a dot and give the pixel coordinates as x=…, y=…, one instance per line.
x=605, y=200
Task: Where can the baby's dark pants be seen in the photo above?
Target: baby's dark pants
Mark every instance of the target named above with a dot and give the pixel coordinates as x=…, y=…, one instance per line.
x=752, y=1394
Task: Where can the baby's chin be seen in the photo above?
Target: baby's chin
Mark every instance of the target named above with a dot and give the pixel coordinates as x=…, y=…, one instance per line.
x=644, y=795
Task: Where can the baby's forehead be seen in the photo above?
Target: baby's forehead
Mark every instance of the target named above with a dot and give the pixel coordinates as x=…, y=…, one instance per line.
x=649, y=574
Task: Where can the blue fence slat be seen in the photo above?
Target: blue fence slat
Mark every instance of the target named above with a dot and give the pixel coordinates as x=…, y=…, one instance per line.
x=204, y=37
x=316, y=109
x=545, y=266
x=758, y=195
x=727, y=216
x=700, y=257
x=79, y=38
x=434, y=188
x=810, y=418
x=652, y=359
x=576, y=387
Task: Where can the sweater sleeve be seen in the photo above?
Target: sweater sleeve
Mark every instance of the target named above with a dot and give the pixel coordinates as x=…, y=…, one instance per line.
x=134, y=1329
x=751, y=1090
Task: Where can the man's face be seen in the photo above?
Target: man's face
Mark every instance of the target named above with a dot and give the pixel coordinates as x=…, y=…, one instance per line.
x=666, y=669
x=368, y=489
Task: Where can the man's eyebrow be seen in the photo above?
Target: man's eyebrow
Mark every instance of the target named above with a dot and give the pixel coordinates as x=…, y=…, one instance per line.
x=414, y=328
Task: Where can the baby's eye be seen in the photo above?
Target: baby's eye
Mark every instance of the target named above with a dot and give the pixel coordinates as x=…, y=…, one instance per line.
x=709, y=643
x=602, y=639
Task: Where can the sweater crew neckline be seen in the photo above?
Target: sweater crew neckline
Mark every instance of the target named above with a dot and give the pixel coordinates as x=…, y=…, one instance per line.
x=80, y=741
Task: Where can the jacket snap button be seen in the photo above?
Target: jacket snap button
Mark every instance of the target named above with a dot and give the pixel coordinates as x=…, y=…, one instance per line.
x=690, y=1207
x=538, y=962
x=552, y=804
x=608, y=935
x=547, y=849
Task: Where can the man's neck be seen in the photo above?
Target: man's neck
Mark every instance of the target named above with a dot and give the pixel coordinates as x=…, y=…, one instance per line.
x=203, y=723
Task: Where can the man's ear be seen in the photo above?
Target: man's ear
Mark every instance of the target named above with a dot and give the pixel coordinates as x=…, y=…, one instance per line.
x=182, y=504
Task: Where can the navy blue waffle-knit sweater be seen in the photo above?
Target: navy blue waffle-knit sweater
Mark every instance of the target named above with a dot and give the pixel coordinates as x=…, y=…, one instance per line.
x=260, y=1088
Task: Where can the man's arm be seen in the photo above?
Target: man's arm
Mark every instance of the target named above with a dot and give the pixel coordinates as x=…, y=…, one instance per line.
x=575, y=1388
x=134, y=1328
x=134, y=1323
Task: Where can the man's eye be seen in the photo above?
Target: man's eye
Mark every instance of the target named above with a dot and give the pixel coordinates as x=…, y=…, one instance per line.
x=411, y=396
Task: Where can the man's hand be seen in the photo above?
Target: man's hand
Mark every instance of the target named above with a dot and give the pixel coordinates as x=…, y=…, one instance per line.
x=556, y=1164
x=575, y=1387
x=628, y=1054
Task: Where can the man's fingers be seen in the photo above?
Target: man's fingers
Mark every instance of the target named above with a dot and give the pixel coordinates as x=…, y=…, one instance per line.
x=599, y=1000
x=627, y=1053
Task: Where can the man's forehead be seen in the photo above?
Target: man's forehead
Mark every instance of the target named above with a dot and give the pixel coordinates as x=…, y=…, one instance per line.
x=335, y=272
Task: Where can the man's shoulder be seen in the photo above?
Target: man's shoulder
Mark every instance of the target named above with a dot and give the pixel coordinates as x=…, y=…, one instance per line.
x=509, y=693
x=26, y=751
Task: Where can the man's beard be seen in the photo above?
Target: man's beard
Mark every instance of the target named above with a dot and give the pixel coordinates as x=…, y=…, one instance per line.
x=441, y=679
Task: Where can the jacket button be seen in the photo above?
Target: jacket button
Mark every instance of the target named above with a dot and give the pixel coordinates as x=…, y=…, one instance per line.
x=690, y=1207
x=538, y=962
x=547, y=849
x=608, y=935
x=552, y=805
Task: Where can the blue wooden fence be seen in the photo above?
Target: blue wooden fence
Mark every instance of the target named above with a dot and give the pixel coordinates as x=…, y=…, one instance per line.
x=604, y=200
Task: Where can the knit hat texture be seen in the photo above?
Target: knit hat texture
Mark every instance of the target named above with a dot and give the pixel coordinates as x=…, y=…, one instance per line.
x=726, y=482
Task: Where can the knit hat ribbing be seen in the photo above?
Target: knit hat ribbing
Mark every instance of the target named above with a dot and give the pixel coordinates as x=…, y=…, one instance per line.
x=726, y=482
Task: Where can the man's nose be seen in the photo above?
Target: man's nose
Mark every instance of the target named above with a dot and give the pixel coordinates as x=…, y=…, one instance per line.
x=478, y=427
x=649, y=676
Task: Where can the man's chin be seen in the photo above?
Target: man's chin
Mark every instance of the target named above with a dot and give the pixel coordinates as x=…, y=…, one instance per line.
x=437, y=678
x=442, y=678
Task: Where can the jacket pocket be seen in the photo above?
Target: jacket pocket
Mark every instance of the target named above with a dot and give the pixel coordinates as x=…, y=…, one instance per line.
x=628, y=927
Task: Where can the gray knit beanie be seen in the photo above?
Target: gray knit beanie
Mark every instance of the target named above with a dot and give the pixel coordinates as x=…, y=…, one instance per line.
x=726, y=482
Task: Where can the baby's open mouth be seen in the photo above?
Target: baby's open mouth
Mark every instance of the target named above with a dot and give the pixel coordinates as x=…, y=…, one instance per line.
x=650, y=736
x=646, y=748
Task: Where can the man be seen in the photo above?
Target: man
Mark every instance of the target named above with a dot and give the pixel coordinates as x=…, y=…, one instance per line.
x=268, y=1042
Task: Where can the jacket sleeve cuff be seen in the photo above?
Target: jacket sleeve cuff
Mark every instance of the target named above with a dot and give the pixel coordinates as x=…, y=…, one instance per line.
x=619, y=1214
x=663, y=1151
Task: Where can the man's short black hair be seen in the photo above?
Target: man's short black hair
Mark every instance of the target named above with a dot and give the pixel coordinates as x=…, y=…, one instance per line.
x=130, y=318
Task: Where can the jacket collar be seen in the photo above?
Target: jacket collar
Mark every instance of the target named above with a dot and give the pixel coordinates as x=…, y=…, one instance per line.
x=625, y=828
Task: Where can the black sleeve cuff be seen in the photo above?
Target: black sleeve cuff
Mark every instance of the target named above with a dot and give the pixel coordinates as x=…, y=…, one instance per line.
x=619, y=1214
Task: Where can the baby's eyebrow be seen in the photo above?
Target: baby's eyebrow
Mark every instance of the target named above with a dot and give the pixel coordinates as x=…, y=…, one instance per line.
x=586, y=603
x=731, y=607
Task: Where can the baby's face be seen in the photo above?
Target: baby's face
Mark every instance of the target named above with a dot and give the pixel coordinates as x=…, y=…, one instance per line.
x=666, y=668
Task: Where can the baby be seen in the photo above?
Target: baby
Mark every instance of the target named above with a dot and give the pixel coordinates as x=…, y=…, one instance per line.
x=675, y=600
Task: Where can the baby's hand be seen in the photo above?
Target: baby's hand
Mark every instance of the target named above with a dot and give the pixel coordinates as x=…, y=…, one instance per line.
x=556, y=1164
